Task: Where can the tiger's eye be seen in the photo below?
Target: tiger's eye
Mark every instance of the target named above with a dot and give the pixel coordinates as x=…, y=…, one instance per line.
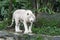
x=27, y=13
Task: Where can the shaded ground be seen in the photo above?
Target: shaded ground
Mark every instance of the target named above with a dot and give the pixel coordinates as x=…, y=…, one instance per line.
x=8, y=35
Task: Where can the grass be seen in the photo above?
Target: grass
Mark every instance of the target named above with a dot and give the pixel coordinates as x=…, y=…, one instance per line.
x=48, y=27
x=3, y=25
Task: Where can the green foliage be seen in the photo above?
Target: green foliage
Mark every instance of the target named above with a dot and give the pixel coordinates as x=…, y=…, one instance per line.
x=58, y=0
x=48, y=6
x=3, y=25
x=46, y=10
x=4, y=3
x=49, y=27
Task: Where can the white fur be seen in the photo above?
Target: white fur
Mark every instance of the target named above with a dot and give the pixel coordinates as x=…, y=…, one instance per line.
x=23, y=16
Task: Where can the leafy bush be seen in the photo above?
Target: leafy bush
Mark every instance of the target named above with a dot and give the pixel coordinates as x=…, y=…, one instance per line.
x=49, y=27
x=46, y=10
x=3, y=25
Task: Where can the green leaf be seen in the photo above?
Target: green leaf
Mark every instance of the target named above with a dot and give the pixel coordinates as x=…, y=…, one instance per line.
x=2, y=11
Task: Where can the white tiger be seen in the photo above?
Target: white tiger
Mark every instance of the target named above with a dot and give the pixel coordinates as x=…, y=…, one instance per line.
x=23, y=16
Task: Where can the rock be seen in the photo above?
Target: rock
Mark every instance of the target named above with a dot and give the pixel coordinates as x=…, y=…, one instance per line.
x=5, y=35
x=2, y=39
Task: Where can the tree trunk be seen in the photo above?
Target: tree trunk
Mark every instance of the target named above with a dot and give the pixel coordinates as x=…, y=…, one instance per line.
x=10, y=8
x=35, y=6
